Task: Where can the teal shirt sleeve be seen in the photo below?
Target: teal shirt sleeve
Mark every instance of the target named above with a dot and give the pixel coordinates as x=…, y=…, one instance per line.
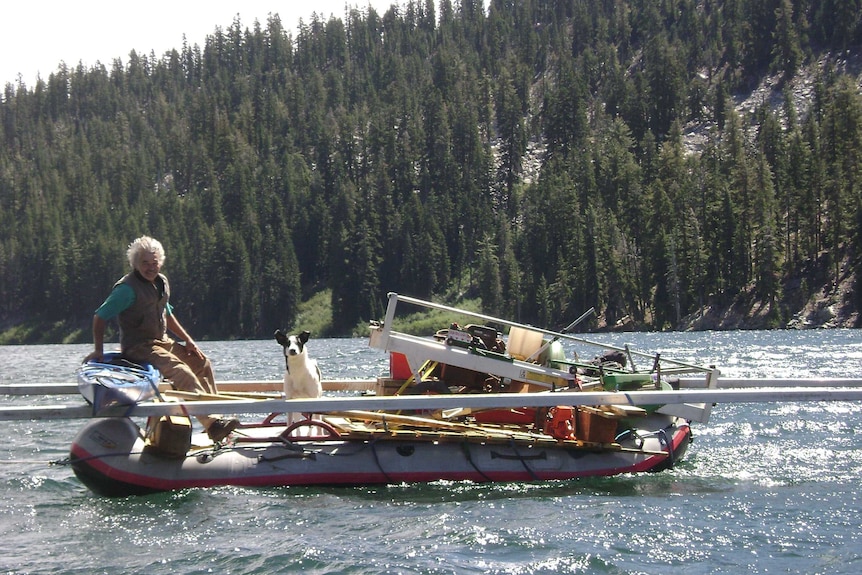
x=119, y=300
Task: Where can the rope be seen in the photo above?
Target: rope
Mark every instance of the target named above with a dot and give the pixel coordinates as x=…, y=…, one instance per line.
x=664, y=440
x=377, y=461
x=69, y=461
x=523, y=461
x=465, y=447
x=636, y=437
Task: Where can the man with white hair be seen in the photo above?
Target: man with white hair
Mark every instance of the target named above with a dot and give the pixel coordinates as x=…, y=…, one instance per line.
x=140, y=302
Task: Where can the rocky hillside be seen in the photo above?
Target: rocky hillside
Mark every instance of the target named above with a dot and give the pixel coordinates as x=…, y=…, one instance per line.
x=828, y=304
x=823, y=301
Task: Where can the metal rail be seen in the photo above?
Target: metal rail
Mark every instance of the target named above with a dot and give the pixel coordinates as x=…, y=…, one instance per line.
x=394, y=298
x=227, y=386
x=435, y=402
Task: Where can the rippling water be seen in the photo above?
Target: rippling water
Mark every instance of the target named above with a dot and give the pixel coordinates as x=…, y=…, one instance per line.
x=765, y=488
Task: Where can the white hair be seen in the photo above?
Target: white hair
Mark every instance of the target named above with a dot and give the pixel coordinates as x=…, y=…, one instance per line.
x=144, y=245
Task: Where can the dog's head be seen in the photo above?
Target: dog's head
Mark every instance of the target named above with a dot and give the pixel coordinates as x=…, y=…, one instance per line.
x=293, y=344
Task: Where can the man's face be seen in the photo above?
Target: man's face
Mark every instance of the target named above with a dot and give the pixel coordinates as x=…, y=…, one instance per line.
x=149, y=267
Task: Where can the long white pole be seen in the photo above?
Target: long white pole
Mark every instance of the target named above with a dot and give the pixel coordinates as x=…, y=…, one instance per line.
x=435, y=402
x=64, y=388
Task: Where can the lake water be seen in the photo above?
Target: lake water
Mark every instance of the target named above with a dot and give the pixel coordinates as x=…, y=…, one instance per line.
x=765, y=488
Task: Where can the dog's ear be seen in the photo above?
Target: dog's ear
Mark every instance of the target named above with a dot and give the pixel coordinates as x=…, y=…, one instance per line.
x=280, y=337
x=303, y=337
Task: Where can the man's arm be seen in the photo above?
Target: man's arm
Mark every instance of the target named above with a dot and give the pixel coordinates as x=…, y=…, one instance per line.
x=120, y=298
x=177, y=329
x=98, y=339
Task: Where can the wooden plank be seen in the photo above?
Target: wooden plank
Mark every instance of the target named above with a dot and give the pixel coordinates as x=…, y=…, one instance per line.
x=627, y=410
x=278, y=385
x=442, y=434
x=426, y=422
x=469, y=433
x=200, y=396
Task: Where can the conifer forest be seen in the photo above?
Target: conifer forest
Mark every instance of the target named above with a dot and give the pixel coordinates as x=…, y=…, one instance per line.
x=543, y=157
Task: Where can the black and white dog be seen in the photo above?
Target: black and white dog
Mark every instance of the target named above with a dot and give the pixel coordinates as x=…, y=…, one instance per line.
x=302, y=375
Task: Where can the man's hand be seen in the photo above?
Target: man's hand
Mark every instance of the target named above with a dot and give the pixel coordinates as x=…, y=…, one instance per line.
x=94, y=355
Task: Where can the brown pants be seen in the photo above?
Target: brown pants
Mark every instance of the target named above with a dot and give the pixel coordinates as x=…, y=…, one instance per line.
x=185, y=371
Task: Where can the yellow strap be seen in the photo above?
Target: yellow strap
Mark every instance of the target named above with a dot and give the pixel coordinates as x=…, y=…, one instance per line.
x=426, y=368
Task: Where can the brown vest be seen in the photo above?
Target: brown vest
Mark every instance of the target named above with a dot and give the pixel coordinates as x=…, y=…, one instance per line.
x=145, y=319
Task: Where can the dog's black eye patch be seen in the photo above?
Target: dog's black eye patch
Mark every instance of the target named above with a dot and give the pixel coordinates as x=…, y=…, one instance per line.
x=292, y=343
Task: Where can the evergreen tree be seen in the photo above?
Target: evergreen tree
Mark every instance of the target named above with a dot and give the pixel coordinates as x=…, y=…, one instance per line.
x=543, y=155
